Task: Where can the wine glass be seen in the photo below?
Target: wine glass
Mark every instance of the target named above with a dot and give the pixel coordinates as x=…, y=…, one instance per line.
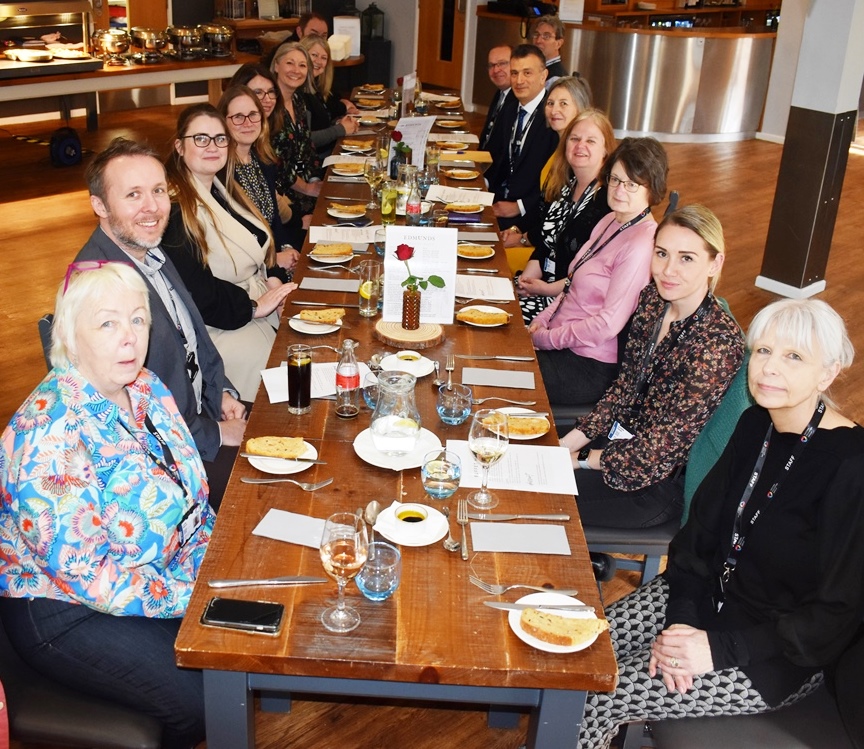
x=488, y=440
x=344, y=546
x=441, y=472
x=374, y=176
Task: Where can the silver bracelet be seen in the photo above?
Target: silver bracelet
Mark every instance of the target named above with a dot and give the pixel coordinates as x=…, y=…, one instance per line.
x=584, y=465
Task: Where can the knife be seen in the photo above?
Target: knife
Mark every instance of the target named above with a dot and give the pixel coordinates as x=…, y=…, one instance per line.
x=290, y=580
x=499, y=516
x=499, y=358
x=311, y=461
x=540, y=606
x=478, y=270
x=344, y=197
x=472, y=224
x=527, y=415
x=324, y=304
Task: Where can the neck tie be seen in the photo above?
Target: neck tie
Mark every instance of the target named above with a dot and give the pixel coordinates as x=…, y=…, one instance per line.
x=517, y=136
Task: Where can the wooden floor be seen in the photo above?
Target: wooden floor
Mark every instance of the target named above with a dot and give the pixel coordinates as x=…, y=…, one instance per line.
x=45, y=218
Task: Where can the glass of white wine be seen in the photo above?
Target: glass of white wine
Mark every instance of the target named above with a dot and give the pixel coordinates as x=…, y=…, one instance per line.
x=344, y=546
x=488, y=440
x=374, y=177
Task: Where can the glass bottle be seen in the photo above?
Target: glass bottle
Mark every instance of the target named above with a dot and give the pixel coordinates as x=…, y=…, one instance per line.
x=407, y=174
x=347, y=381
x=395, y=424
x=413, y=204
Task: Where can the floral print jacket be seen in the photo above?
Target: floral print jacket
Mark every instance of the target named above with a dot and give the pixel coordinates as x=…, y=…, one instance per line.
x=87, y=514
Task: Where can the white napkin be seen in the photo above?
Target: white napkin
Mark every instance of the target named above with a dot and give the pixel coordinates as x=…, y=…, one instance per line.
x=446, y=194
x=502, y=378
x=526, y=538
x=291, y=527
x=316, y=283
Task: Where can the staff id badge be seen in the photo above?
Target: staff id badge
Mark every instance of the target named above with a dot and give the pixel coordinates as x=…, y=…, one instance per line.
x=619, y=432
x=189, y=524
x=549, y=266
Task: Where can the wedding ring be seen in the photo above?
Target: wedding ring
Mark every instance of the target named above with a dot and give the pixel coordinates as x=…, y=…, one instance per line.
x=674, y=662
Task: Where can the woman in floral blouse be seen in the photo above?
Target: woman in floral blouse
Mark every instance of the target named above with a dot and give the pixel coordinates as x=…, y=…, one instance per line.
x=300, y=174
x=682, y=352
x=104, y=518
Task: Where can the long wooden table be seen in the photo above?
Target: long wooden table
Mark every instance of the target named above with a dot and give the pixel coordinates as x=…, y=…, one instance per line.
x=433, y=640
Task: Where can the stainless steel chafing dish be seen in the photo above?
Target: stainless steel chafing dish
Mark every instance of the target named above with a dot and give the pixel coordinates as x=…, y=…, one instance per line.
x=217, y=39
x=184, y=39
x=150, y=40
x=110, y=44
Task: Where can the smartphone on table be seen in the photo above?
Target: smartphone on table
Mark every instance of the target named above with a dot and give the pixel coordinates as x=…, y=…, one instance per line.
x=263, y=617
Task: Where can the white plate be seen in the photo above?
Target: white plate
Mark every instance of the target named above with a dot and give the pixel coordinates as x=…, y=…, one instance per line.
x=549, y=598
x=419, y=368
x=450, y=104
x=336, y=213
x=515, y=411
x=29, y=55
x=461, y=173
x=69, y=54
x=301, y=326
x=351, y=149
x=370, y=106
x=369, y=120
x=388, y=526
x=451, y=124
x=284, y=467
x=466, y=256
x=484, y=308
x=343, y=172
x=454, y=207
x=365, y=449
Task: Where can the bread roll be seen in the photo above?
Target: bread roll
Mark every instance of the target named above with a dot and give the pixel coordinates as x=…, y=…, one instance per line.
x=276, y=447
x=329, y=315
x=337, y=249
x=561, y=630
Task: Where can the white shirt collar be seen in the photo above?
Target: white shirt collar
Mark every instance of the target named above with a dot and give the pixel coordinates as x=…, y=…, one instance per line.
x=534, y=103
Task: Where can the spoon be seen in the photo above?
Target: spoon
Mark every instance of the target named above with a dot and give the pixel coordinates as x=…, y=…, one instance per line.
x=438, y=382
x=375, y=362
x=450, y=543
x=371, y=515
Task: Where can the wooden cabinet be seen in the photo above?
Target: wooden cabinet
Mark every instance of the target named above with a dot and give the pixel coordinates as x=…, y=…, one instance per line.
x=151, y=14
x=756, y=15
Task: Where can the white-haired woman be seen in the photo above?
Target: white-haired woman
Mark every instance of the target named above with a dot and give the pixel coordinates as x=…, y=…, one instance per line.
x=104, y=517
x=763, y=587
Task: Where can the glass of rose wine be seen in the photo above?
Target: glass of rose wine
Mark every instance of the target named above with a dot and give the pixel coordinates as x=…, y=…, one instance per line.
x=344, y=546
x=374, y=175
x=488, y=440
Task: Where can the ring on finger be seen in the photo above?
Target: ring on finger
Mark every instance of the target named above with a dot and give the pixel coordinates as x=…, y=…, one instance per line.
x=674, y=662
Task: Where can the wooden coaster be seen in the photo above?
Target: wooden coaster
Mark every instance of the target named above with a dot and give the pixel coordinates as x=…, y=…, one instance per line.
x=393, y=334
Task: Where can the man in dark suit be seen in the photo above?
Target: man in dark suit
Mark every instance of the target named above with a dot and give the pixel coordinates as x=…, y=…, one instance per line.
x=529, y=142
x=498, y=67
x=129, y=194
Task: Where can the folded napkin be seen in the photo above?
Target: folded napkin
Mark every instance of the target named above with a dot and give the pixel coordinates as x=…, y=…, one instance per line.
x=504, y=378
x=316, y=283
x=291, y=527
x=526, y=538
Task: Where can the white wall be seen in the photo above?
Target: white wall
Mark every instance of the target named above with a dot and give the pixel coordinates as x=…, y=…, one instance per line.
x=400, y=22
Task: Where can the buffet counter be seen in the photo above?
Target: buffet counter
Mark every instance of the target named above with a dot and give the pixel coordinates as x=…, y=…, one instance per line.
x=701, y=85
x=57, y=81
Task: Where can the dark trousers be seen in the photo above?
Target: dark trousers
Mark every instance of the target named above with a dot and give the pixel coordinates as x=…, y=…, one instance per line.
x=574, y=380
x=123, y=659
x=600, y=504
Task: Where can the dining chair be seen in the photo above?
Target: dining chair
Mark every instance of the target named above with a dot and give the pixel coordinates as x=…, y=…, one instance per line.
x=44, y=324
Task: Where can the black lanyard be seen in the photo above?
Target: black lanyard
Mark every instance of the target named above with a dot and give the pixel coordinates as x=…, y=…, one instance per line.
x=516, y=145
x=166, y=462
x=738, y=529
x=593, y=250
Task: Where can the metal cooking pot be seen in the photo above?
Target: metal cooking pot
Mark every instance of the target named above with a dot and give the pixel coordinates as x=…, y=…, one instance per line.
x=183, y=37
x=149, y=39
x=216, y=34
x=111, y=42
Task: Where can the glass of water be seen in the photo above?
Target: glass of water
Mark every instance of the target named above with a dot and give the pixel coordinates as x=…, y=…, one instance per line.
x=380, y=576
x=441, y=473
x=454, y=403
x=370, y=390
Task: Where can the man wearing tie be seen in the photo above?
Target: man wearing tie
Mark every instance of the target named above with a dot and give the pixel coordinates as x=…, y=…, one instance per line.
x=503, y=103
x=514, y=176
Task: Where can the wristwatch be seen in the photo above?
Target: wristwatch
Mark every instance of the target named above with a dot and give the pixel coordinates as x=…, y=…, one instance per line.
x=582, y=458
x=254, y=307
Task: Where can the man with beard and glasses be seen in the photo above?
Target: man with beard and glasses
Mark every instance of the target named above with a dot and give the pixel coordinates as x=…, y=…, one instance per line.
x=129, y=194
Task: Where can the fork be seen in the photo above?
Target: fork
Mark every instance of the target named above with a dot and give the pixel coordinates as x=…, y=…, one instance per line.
x=305, y=486
x=478, y=401
x=497, y=590
x=461, y=301
x=449, y=366
x=462, y=520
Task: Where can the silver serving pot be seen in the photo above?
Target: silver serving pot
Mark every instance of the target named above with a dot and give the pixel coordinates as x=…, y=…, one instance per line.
x=183, y=37
x=111, y=42
x=215, y=34
x=149, y=39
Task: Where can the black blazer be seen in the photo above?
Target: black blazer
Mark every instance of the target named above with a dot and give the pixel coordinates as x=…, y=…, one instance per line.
x=166, y=355
x=521, y=180
x=494, y=125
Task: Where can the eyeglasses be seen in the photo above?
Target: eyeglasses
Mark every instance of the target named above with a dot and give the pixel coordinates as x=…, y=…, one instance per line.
x=82, y=266
x=627, y=184
x=493, y=65
x=545, y=36
x=270, y=93
x=202, y=140
x=239, y=119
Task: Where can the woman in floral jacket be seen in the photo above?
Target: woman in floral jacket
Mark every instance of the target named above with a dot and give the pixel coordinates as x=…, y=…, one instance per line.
x=104, y=518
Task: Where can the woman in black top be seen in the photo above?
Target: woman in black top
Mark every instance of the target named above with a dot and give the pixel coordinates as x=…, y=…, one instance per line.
x=763, y=587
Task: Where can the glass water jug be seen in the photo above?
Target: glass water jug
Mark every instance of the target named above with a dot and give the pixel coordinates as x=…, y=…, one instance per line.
x=395, y=423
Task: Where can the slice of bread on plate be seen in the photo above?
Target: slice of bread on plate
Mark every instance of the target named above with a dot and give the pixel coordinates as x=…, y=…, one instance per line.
x=527, y=426
x=276, y=447
x=336, y=249
x=329, y=315
x=354, y=210
x=475, y=250
x=561, y=630
x=482, y=317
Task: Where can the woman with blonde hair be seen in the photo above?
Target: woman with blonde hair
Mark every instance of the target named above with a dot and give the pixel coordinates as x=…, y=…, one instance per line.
x=330, y=116
x=574, y=200
x=222, y=247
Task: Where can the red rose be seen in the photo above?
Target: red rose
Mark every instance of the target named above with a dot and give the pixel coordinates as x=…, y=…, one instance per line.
x=396, y=136
x=404, y=252
x=399, y=80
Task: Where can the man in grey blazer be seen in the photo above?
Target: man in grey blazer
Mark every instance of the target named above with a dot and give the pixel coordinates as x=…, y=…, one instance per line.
x=129, y=194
